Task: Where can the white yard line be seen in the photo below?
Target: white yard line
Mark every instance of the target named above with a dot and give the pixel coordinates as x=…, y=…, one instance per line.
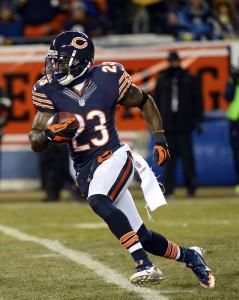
x=100, y=225
x=97, y=225
x=81, y=258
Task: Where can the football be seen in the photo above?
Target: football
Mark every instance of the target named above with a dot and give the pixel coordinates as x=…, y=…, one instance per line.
x=62, y=118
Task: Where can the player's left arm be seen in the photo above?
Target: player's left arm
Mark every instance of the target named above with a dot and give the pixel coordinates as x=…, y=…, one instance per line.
x=138, y=98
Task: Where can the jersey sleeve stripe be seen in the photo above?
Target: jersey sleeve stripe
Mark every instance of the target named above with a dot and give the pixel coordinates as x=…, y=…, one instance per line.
x=43, y=105
x=124, y=83
x=124, y=75
x=124, y=91
x=41, y=100
x=39, y=94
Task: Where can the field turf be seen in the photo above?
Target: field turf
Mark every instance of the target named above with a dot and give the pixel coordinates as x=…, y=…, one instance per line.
x=63, y=251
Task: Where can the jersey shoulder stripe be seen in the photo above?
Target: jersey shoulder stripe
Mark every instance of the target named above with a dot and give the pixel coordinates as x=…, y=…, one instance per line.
x=38, y=94
x=40, y=107
x=41, y=100
x=40, y=97
x=125, y=82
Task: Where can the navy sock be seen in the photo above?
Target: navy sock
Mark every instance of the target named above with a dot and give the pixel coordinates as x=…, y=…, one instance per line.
x=141, y=258
x=156, y=245
x=114, y=219
x=120, y=226
x=118, y=217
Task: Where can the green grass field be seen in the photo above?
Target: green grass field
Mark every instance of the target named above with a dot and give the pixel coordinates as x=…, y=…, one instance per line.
x=63, y=251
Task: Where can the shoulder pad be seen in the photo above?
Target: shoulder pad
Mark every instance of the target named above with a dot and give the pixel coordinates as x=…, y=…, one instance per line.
x=114, y=74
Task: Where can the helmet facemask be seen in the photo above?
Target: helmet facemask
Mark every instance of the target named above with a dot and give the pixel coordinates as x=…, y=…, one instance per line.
x=64, y=69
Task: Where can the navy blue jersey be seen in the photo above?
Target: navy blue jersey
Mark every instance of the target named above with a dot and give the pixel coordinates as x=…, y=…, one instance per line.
x=94, y=106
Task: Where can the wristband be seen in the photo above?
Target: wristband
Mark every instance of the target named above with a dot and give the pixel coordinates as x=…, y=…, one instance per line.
x=159, y=137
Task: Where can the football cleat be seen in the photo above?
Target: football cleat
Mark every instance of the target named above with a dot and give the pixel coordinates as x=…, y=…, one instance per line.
x=145, y=274
x=200, y=269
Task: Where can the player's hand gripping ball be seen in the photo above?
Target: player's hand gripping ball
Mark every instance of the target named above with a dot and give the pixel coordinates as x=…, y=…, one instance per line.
x=61, y=127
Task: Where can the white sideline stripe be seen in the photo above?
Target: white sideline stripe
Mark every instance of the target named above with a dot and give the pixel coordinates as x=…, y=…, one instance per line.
x=18, y=137
x=16, y=148
x=206, y=223
x=100, y=225
x=91, y=225
x=81, y=258
x=47, y=255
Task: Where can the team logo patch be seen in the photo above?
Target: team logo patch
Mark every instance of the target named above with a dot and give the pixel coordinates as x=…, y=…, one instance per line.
x=82, y=102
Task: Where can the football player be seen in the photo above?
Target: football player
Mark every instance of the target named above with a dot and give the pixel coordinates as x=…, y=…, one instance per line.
x=103, y=164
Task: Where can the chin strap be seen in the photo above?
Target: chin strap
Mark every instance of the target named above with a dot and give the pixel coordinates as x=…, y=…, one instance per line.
x=69, y=78
x=66, y=80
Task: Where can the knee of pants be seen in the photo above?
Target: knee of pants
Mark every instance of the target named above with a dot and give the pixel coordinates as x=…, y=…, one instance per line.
x=144, y=234
x=101, y=205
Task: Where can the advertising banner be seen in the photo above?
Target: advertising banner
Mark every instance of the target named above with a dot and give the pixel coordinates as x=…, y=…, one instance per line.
x=22, y=66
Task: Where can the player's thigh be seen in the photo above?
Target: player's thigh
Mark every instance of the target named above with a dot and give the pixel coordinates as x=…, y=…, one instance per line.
x=126, y=204
x=113, y=176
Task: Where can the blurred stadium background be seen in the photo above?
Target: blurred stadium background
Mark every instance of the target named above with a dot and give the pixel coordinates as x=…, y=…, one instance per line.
x=54, y=250
x=144, y=56
x=139, y=34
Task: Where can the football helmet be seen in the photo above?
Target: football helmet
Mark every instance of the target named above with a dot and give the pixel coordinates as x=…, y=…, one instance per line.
x=71, y=54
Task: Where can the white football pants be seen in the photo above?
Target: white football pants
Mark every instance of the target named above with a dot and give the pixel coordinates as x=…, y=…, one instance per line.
x=112, y=178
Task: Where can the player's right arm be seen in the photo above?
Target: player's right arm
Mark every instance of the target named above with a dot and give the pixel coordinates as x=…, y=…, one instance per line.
x=45, y=110
x=39, y=135
x=38, y=127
